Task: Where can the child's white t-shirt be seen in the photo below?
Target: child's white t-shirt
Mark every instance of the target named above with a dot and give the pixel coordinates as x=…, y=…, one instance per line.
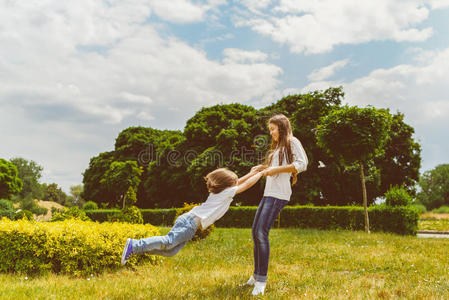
x=215, y=206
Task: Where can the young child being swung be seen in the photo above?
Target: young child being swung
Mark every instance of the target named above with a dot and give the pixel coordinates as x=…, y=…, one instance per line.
x=223, y=185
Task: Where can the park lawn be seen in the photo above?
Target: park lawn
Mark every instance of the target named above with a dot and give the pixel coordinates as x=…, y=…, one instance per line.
x=305, y=264
x=438, y=225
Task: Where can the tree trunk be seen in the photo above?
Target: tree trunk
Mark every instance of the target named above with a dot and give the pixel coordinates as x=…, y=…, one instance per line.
x=365, y=200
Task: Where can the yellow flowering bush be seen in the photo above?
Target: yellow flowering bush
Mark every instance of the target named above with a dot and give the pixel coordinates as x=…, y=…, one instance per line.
x=70, y=247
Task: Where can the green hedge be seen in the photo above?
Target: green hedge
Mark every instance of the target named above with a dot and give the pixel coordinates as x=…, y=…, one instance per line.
x=71, y=246
x=401, y=220
x=157, y=217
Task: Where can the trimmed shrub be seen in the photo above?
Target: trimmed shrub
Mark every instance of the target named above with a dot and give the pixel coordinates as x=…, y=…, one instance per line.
x=402, y=220
x=69, y=213
x=442, y=210
x=90, y=205
x=70, y=247
x=5, y=204
x=129, y=215
x=24, y=214
x=420, y=208
x=397, y=196
x=6, y=209
x=200, y=234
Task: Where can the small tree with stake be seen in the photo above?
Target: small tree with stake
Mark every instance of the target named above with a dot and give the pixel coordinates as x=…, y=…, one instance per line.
x=355, y=135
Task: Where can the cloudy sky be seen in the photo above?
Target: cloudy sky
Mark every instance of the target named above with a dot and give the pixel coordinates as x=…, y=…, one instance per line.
x=73, y=74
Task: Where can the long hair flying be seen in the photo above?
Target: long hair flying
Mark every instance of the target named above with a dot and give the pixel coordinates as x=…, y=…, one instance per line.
x=283, y=143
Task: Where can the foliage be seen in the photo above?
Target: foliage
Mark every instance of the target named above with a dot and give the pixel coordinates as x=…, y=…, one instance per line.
x=435, y=187
x=442, y=209
x=419, y=207
x=94, y=189
x=201, y=233
x=399, y=164
x=29, y=204
x=23, y=214
x=129, y=214
x=5, y=204
x=354, y=134
x=30, y=173
x=76, y=191
x=402, y=220
x=90, y=205
x=71, y=247
x=234, y=135
x=6, y=209
x=130, y=197
x=120, y=177
x=69, y=213
x=10, y=183
x=54, y=193
x=397, y=196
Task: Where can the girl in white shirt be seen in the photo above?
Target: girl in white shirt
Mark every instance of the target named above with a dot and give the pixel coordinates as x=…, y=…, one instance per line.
x=222, y=184
x=285, y=159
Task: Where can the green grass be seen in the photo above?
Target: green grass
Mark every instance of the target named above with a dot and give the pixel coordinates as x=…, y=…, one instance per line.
x=439, y=225
x=308, y=264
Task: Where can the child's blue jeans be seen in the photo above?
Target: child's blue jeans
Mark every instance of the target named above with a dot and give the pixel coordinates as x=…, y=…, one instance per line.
x=170, y=244
x=266, y=214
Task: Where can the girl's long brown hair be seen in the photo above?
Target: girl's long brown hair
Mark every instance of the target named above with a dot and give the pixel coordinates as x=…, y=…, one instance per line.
x=283, y=143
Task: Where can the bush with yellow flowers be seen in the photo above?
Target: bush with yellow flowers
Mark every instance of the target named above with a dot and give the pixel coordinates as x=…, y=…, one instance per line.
x=70, y=247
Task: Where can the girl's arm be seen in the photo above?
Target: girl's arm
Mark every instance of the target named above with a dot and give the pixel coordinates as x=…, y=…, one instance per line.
x=249, y=182
x=279, y=169
x=253, y=171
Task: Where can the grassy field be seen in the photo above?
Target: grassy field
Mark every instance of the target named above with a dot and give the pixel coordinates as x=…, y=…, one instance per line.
x=438, y=225
x=434, y=221
x=305, y=264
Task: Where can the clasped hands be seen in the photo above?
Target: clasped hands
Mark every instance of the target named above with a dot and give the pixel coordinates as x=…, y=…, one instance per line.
x=266, y=171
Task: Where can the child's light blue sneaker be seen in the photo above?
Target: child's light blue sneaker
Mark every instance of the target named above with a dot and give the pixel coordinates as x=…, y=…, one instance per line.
x=127, y=251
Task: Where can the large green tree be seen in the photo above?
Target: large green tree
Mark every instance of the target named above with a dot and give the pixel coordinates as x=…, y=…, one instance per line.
x=355, y=135
x=10, y=182
x=236, y=136
x=52, y=192
x=30, y=173
x=120, y=177
x=435, y=187
x=94, y=189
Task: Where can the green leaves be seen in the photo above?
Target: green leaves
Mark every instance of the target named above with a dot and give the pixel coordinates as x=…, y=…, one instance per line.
x=435, y=187
x=10, y=183
x=354, y=134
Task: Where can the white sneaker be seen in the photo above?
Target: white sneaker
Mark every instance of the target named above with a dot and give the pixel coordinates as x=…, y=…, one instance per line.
x=259, y=288
x=251, y=281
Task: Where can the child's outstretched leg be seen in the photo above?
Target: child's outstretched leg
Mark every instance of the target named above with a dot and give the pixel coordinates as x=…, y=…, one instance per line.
x=167, y=245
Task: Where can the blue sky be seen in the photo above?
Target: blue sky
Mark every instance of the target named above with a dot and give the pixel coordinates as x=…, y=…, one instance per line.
x=73, y=74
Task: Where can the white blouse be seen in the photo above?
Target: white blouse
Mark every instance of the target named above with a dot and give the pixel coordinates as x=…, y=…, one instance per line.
x=278, y=186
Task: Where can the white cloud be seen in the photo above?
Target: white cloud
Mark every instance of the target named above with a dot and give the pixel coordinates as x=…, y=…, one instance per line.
x=436, y=4
x=319, y=26
x=328, y=71
x=179, y=11
x=233, y=55
x=89, y=70
x=419, y=91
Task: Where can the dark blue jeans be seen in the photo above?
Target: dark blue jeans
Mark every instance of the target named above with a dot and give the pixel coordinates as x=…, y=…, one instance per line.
x=266, y=214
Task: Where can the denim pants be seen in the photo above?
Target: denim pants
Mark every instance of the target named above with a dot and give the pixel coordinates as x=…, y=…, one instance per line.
x=266, y=214
x=170, y=244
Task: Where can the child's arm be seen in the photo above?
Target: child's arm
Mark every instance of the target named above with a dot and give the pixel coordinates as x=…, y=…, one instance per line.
x=253, y=171
x=249, y=182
